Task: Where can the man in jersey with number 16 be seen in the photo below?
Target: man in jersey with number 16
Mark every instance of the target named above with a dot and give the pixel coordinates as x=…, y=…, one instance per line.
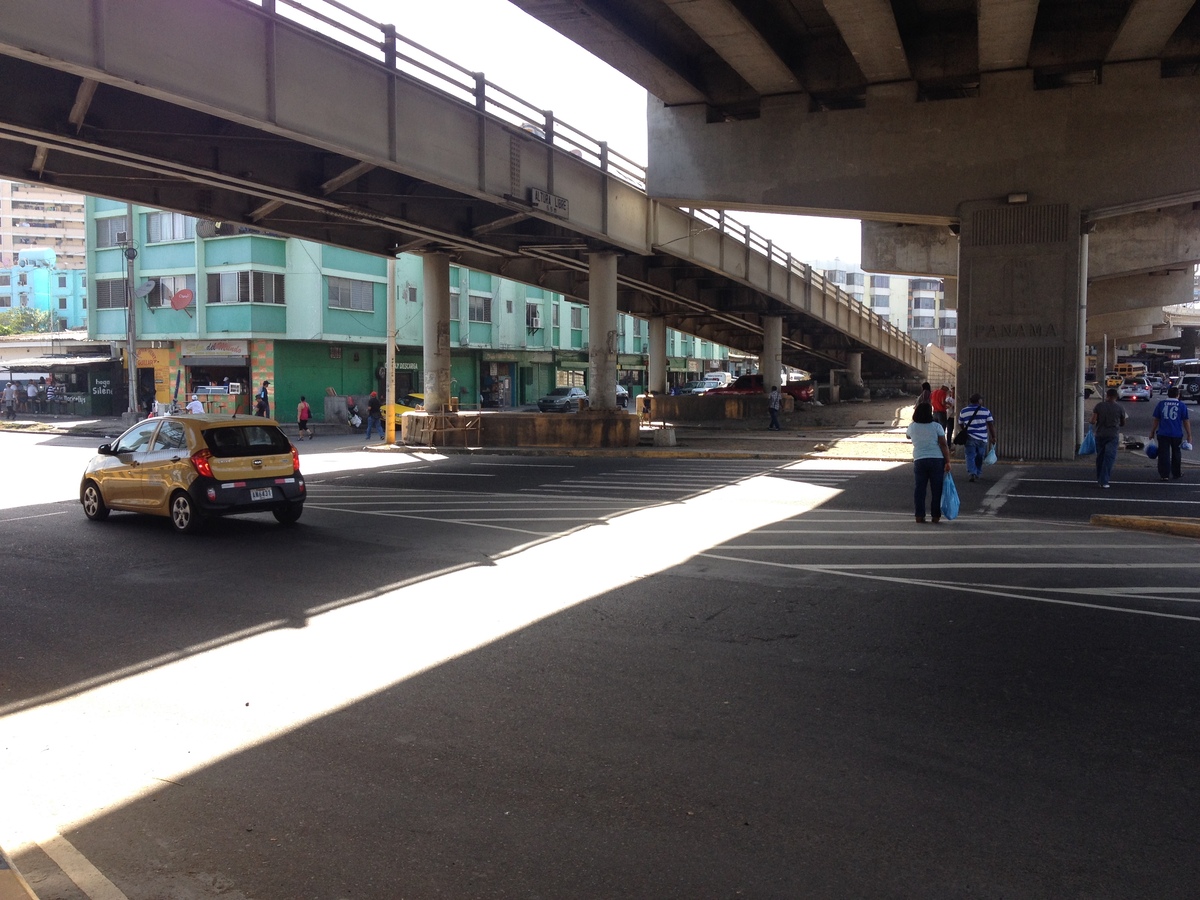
x=1170, y=427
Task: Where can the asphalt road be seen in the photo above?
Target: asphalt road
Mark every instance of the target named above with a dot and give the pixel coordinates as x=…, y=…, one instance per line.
x=504, y=676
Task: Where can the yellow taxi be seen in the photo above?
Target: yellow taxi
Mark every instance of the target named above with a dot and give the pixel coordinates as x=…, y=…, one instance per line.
x=193, y=467
x=407, y=403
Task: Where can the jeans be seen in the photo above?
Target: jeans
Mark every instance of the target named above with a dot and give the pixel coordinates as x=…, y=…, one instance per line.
x=372, y=422
x=1170, y=464
x=1106, y=457
x=774, y=426
x=928, y=473
x=975, y=452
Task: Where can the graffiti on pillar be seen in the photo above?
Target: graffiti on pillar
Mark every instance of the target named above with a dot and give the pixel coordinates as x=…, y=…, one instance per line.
x=443, y=337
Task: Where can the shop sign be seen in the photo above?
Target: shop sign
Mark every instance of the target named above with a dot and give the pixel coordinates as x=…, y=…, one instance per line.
x=215, y=348
x=148, y=358
x=102, y=386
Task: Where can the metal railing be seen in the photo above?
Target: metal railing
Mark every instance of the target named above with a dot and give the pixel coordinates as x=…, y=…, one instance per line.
x=387, y=47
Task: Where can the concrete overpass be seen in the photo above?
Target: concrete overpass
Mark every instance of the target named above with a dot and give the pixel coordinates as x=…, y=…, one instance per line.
x=1040, y=153
x=356, y=137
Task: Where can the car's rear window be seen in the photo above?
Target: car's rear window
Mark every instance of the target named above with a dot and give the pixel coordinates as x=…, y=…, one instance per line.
x=246, y=440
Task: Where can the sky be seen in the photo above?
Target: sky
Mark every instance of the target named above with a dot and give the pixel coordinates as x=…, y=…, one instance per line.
x=542, y=67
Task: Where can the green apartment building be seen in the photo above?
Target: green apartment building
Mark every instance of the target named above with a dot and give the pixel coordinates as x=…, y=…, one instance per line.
x=219, y=308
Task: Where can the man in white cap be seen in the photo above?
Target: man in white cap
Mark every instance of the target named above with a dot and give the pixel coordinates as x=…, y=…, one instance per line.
x=194, y=405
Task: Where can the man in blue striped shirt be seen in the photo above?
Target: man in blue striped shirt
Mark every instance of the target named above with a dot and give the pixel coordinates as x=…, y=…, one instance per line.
x=981, y=431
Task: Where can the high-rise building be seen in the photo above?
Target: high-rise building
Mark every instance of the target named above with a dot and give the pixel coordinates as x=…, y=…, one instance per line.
x=41, y=217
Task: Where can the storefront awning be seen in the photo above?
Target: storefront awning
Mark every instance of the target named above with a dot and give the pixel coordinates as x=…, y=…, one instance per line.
x=46, y=363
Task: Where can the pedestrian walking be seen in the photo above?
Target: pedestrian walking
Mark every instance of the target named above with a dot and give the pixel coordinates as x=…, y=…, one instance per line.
x=374, y=419
x=926, y=396
x=931, y=461
x=774, y=401
x=303, y=414
x=1107, y=421
x=976, y=420
x=1170, y=426
x=937, y=400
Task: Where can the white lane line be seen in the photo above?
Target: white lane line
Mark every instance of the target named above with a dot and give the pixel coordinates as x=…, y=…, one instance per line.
x=1106, y=498
x=76, y=866
x=961, y=586
x=445, y=474
x=925, y=566
x=946, y=545
x=450, y=521
x=27, y=518
x=998, y=493
x=522, y=465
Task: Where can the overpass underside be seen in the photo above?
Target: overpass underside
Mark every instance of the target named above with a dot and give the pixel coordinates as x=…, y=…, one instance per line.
x=985, y=142
x=297, y=135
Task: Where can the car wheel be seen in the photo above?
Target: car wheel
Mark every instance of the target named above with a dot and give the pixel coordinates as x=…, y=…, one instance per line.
x=184, y=515
x=94, y=506
x=288, y=515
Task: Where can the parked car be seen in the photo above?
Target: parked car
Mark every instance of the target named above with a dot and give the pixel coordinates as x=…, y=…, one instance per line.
x=191, y=467
x=1135, y=389
x=622, y=396
x=408, y=403
x=697, y=387
x=753, y=384
x=562, y=399
x=1189, y=388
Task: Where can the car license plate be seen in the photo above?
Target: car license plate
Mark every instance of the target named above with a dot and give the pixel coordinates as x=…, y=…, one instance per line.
x=262, y=494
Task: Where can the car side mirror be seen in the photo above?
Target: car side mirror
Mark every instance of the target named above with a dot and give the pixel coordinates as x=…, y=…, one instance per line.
x=105, y=450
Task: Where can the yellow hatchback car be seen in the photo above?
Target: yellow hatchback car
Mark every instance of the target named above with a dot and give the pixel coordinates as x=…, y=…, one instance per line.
x=192, y=467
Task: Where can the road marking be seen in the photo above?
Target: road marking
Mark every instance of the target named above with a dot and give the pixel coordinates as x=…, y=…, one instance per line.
x=998, y=493
x=27, y=518
x=1107, y=498
x=972, y=588
x=76, y=866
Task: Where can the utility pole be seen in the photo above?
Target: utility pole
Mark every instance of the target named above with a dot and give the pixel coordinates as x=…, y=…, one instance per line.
x=130, y=319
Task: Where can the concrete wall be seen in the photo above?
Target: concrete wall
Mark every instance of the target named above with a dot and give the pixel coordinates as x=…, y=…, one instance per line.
x=496, y=429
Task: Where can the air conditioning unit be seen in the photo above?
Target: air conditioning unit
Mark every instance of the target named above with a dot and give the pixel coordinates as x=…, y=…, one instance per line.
x=122, y=237
x=535, y=319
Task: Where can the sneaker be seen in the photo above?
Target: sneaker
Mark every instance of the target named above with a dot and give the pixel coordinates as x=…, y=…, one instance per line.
x=1105, y=486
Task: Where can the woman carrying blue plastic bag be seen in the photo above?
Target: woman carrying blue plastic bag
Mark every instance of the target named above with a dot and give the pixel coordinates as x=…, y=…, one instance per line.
x=931, y=461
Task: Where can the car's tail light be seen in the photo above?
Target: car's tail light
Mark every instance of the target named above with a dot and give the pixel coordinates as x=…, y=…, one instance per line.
x=295, y=459
x=202, y=463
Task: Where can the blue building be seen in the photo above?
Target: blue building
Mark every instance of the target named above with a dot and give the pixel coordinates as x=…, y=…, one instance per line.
x=36, y=282
x=219, y=303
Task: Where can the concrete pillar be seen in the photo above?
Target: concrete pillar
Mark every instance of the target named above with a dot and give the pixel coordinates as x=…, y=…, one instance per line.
x=1019, y=329
x=854, y=365
x=435, y=269
x=602, y=330
x=1188, y=343
x=656, y=374
x=770, y=362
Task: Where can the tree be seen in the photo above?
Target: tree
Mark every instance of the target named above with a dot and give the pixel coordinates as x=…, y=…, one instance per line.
x=22, y=319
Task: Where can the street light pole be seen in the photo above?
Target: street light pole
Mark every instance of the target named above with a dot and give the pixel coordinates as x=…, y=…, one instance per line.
x=131, y=325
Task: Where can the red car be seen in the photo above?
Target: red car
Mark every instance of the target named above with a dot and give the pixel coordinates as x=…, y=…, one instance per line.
x=753, y=384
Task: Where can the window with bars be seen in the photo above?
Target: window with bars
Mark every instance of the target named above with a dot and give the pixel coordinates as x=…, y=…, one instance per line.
x=62, y=302
x=245, y=287
x=350, y=293
x=110, y=293
x=169, y=226
x=533, y=315
x=167, y=287
x=576, y=317
x=108, y=229
x=62, y=281
x=480, y=309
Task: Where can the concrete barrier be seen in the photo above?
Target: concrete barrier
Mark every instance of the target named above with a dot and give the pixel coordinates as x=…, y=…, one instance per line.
x=587, y=428
x=713, y=407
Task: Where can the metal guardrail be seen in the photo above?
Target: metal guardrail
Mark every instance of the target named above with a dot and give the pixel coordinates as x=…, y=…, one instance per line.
x=392, y=50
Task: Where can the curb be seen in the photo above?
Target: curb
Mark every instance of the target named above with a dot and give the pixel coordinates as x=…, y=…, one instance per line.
x=12, y=885
x=1180, y=527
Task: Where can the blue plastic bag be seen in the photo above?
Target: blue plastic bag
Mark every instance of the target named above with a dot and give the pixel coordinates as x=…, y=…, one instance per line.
x=950, y=501
x=1088, y=446
x=990, y=459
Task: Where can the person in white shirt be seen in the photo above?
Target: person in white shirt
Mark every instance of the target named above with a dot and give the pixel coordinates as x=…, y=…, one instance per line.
x=194, y=405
